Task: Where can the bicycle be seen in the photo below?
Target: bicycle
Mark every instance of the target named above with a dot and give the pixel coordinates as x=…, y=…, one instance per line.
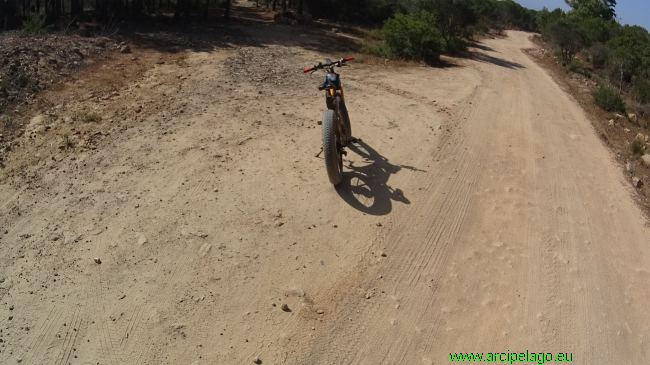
x=337, y=131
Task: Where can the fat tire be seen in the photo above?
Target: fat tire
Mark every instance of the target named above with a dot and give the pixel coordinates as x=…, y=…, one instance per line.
x=331, y=152
x=346, y=122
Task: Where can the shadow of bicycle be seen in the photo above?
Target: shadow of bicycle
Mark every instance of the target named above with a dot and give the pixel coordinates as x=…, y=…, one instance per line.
x=365, y=187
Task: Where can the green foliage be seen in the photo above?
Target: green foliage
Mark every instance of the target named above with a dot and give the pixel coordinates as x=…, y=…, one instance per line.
x=603, y=9
x=598, y=55
x=578, y=67
x=641, y=91
x=630, y=51
x=413, y=36
x=452, y=17
x=546, y=17
x=608, y=99
x=638, y=147
x=35, y=24
x=596, y=30
x=566, y=34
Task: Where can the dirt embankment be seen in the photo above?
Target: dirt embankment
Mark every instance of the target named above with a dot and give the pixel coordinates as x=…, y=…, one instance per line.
x=32, y=63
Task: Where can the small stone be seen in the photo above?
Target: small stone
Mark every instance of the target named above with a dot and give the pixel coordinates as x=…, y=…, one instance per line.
x=285, y=308
x=636, y=182
x=257, y=360
x=640, y=138
x=646, y=160
x=10, y=318
x=632, y=117
x=11, y=308
x=320, y=311
x=382, y=253
x=97, y=260
x=125, y=49
x=611, y=122
x=379, y=224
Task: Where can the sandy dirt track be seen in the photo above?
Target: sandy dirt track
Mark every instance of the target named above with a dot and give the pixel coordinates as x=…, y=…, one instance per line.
x=481, y=213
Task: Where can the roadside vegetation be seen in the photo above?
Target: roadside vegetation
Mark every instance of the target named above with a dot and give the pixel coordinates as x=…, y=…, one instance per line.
x=590, y=41
x=424, y=29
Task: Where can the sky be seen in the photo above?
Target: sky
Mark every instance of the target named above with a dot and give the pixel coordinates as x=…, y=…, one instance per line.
x=628, y=11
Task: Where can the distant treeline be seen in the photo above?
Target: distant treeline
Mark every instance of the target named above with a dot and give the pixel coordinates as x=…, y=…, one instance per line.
x=590, y=41
x=14, y=13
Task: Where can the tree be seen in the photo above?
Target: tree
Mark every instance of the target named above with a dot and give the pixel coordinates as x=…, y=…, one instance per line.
x=413, y=36
x=567, y=36
x=604, y=9
x=630, y=53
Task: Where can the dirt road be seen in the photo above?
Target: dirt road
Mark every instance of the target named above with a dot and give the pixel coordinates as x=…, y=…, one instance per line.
x=481, y=213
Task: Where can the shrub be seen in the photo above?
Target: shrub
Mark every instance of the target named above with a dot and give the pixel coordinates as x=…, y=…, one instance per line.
x=455, y=45
x=598, y=54
x=35, y=24
x=608, y=99
x=638, y=147
x=87, y=116
x=641, y=91
x=567, y=36
x=578, y=67
x=413, y=36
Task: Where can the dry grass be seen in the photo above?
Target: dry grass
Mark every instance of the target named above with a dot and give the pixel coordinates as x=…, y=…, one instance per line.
x=87, y=116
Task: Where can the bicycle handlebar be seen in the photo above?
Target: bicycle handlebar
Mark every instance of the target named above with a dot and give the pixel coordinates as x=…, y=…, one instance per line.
x=321, y=65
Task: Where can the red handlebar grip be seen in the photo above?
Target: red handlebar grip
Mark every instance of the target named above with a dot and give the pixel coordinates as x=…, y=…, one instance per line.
x=348, y=59
x=307, y=69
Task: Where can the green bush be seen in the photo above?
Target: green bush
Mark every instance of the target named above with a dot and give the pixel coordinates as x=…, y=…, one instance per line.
x=35, y=24
x=413, y=36
x=578, y=67
x=455, y=45
x=608, y=99
x=567, y=36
